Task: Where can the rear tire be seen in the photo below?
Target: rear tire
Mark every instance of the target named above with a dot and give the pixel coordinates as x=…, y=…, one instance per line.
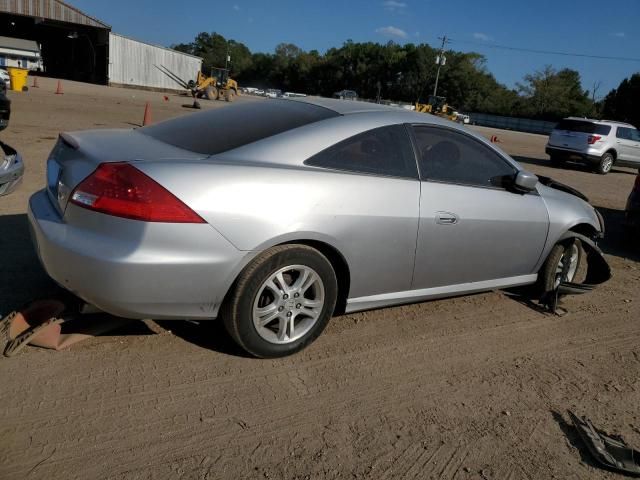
x=227, y=95
x=268, y=319
x=556, y=160
x=605, y=164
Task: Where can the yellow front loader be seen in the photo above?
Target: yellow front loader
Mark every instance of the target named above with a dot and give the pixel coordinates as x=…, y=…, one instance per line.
x=438, y=106
x=215, y=87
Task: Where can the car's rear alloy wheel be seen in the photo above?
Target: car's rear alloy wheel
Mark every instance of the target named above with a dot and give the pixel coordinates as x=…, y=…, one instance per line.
x=282, y=301
x=605, y=164
x=288, y=304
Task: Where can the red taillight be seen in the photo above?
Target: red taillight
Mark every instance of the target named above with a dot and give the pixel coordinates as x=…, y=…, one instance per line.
x=122, y=190
x=593, y=139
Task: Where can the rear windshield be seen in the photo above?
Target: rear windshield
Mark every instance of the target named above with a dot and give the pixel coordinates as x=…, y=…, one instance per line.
x=583, y=127
x=224, y=128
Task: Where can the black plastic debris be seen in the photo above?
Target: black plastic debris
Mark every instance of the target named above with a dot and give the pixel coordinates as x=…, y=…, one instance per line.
x=610, y=452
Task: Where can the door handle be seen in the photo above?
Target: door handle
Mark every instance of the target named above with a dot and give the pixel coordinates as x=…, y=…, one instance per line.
x=446, y=218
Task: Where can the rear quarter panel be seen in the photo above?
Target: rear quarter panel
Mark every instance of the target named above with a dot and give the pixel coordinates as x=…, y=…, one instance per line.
x=372, y=221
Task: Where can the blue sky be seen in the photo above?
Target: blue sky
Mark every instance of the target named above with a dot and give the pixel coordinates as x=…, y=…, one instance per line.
x=586, y=26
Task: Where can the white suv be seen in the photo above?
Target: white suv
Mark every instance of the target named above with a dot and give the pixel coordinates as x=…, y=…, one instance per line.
x=600, y=142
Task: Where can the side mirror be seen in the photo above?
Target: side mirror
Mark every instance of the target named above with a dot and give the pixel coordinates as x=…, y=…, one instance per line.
x=525, y=181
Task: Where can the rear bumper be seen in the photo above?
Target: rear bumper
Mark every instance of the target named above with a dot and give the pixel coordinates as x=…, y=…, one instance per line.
x=588, y=156
x=11, y=169
x=134, y=269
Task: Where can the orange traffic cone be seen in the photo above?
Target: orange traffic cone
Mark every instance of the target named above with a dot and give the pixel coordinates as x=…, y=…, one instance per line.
x=147, y=115
x=35, y=83
x=59, y=89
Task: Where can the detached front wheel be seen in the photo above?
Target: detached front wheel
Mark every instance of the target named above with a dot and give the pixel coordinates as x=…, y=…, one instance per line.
x=282, y=301
x=562, y=265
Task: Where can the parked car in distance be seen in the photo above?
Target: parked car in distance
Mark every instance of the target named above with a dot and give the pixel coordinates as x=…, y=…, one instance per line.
x=463, y=118
x=601, y=143
x=273, y=93
x=5, y=110
x=346, y=95
x=275, y=215
x=632, y=210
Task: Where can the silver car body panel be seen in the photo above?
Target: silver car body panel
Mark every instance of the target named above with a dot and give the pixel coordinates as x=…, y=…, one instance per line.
x=499, y=234
x=420, y=295
x=11, y=169
x=262, y=194
x=146, y=270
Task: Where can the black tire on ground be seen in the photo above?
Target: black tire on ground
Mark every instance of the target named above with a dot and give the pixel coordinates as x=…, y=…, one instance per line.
x=548, y=276
x=237, y=309
x=556, y=160
x=210, y=93
x=605, y=164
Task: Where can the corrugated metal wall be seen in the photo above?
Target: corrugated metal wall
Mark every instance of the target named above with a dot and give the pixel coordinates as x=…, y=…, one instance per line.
x=51, y=10
x=134, y=63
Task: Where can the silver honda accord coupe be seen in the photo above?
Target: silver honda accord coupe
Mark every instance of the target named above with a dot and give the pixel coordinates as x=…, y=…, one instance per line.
x=276, y=215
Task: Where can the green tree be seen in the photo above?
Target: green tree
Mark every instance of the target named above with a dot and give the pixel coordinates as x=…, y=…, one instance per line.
x=623, y=103
x=551, y=94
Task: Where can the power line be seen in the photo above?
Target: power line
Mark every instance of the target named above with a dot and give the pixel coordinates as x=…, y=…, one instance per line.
x=548, y=52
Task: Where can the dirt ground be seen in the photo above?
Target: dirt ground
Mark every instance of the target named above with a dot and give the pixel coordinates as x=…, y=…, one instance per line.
x=468, y=388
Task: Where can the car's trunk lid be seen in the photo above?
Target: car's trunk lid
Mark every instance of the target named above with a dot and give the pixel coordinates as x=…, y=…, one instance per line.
x=76, y=155
x=573, y=134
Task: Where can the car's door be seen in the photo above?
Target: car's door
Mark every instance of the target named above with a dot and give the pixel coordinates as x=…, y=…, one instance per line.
x=628, y=145
x=373, y=209
x=623, y=144
x=472, y=228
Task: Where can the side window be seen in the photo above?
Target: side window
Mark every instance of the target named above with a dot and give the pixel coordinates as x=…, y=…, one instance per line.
x=382, y=151
x=635, y=135
x=448, y=156
x=623, y=133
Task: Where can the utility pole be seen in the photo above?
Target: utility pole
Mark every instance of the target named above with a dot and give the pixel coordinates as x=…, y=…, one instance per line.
x=440, y=60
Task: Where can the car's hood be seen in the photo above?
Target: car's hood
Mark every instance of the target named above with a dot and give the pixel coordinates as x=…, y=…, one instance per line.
x=551, y=183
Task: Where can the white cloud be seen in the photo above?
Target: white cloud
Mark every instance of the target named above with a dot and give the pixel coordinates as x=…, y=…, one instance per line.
x=394, y=5
x=236, y=7
x=619, y=34
x=481, y=36
x=392, y=32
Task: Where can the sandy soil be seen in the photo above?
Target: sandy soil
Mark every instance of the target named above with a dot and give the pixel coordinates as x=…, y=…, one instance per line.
x=468, y=388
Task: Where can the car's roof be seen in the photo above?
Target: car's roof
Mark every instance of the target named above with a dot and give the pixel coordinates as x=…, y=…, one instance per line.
x=346, y=107
x=602, y=122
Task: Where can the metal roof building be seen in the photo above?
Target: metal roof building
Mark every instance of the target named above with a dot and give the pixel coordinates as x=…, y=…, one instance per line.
x=76, y=46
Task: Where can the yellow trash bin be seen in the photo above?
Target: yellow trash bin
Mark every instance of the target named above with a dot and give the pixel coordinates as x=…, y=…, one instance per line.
x=18, y=77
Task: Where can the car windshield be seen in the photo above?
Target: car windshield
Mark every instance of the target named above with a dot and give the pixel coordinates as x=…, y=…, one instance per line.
x=583, y=127
x=225, y=128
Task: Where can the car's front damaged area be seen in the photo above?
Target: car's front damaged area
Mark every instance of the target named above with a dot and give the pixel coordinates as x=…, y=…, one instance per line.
x=11, y=169
x=598, y=271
